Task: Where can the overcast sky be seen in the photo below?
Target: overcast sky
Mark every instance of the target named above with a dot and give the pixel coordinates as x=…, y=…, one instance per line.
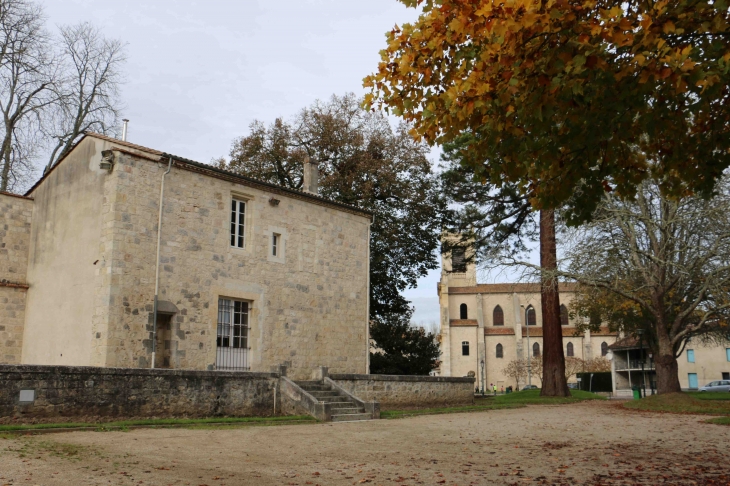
x=200, y=71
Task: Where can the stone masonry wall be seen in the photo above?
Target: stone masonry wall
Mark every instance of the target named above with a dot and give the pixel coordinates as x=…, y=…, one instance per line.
x=308, y=305
x=60, y=393
x=395, y=392
x=15, y=218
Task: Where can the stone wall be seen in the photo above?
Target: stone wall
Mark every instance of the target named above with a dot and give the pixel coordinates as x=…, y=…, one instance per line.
x=15, y=224
x=308, y=305
x=60, y=392
x=394, y=392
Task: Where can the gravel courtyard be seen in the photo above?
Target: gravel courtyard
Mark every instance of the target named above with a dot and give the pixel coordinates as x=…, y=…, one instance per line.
x=586, y=443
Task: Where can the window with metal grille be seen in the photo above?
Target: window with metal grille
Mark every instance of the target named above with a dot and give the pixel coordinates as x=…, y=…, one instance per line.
x=536, y=349
x=563, y=315
x=465, y=348
x=500, y=351
x=569, y=351
x=238, y=220
x=531, y=316
x=463, y=312
x=604, y=348
x=458, y=260
x=498, y=316
x=232, y=339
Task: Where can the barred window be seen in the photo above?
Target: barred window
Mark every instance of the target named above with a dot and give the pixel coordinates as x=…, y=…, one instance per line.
x=232, y=324
x=238, y=218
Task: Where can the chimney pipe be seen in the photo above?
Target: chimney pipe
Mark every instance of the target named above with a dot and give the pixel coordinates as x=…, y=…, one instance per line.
x=311, y=176
x=124, y=130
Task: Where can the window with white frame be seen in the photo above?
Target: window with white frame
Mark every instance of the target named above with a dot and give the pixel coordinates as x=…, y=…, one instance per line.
x=232, y=338
x=275, y=244
x=238, y=220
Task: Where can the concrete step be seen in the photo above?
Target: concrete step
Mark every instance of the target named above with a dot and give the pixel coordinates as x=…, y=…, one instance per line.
x=308, y=383
x=316, y=388
x=347, y=410
x=323, y=393
x=350, y=417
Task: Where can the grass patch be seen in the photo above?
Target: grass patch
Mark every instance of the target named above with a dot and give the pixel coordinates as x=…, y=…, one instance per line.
x=709, y=395
x=720, y=421
x=681, y=403
x=172, y=422
x=392, y=414
x=532, y=397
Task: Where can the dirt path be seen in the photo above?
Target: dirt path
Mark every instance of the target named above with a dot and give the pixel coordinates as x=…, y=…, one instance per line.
x=586, y=443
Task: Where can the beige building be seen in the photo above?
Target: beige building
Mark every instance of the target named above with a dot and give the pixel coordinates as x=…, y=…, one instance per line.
x=249, y=274
x=499, y=323
x=698, y=365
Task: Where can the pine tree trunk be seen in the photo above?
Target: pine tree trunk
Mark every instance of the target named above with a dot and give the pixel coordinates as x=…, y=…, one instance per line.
x=554, y=383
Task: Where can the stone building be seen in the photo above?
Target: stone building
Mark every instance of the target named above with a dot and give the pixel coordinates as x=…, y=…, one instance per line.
x=249, y=274
x=499, y=323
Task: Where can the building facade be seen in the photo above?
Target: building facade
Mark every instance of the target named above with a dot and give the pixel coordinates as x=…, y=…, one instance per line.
x=248, y=274
x=499, y=323
x=698, y=365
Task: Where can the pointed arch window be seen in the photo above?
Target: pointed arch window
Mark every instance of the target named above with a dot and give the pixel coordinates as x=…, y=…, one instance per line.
x=498, y=316
x=564, y=321
x=569, y=351
x=463, y=312
x=531, y=316
x=536, y=349
x=500, y=351
x=604, y=348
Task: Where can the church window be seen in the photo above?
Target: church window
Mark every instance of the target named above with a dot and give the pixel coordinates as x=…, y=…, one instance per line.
x=500, y=351
x=536, y=349
x=498, y=316
x=564, y=321
x=570, y=351
x=463, y=312
x=465, y=348
x=604, y=348
x=531, y=316
x=458, y=260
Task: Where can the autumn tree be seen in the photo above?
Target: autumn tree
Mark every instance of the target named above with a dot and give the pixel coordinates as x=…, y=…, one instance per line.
x=364, y=162
x=656, y=264
x=568, y=100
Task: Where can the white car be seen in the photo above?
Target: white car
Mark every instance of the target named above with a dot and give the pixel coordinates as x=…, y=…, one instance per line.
x=717, y=386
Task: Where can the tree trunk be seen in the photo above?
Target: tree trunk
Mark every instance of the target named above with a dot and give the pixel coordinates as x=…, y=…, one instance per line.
x=667, y=374
x=554, y=383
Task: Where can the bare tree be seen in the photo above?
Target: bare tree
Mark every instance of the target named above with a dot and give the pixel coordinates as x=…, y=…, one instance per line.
x=658, y=265
x=28, y=76
x=88, y=96
x=517, y=370
x=573, y=365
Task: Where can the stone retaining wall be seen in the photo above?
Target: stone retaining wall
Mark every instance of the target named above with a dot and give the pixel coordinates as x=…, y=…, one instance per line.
x=397, y=391
x=41, y=392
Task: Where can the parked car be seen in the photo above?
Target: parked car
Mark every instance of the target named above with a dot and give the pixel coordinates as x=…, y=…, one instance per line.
x=529, y=387
x=717, y=386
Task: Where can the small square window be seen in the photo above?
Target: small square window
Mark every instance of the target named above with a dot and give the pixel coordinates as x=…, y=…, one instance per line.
x=465, y=348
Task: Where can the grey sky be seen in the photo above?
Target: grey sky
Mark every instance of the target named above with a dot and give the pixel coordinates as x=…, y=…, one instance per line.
x=199, y=72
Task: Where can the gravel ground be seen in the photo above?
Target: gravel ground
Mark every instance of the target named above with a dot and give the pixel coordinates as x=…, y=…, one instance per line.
x=586, y=443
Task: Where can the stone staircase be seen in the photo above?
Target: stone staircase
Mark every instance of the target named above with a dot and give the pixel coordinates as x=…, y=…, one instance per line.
x=344, y=409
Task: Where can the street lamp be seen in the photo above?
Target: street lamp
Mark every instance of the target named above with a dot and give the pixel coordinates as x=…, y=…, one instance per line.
x=640, y=332
x=482, y=363
x=529, y=357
